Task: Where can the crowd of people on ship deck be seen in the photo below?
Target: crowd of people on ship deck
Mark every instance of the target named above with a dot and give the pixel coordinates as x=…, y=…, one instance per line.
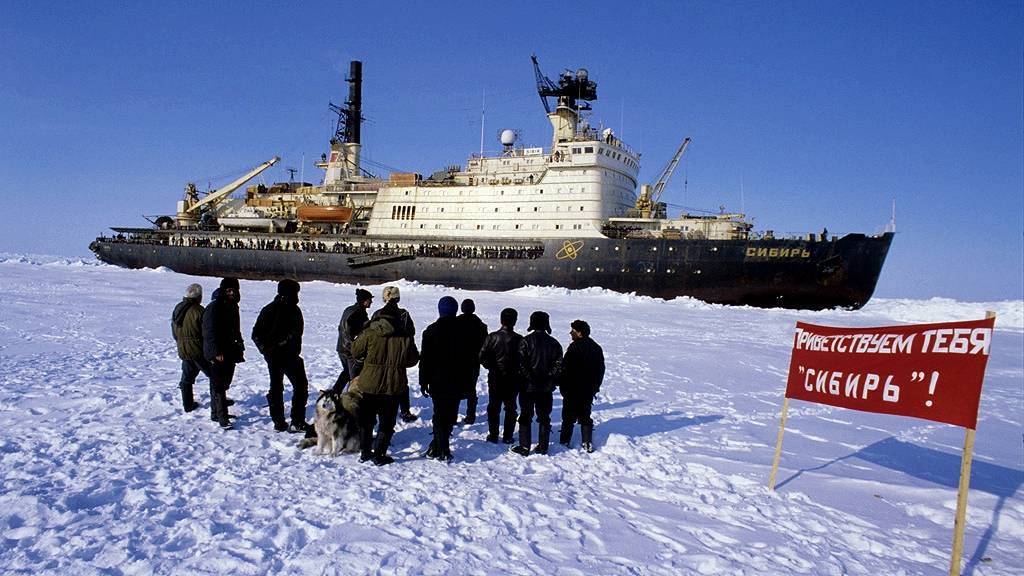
x=437, y=250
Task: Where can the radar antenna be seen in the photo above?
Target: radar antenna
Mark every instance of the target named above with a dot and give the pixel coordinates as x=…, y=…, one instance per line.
x=571, y=88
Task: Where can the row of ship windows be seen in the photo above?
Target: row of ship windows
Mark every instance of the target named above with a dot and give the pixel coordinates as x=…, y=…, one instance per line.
x=424, y=192
x=606, y=152
x=409, y=212
x=501, y=227
x=600, y=269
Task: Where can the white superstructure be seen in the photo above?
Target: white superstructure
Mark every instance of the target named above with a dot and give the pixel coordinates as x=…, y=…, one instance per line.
x=523, y=193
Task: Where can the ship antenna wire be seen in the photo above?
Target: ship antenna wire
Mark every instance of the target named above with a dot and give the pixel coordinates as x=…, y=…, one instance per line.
x=742, y=197
x=483, y=117
x=622, y=121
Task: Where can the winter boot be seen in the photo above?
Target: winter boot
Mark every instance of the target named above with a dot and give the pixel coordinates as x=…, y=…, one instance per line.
x=523, y=449
x=432, y=451
x=492, y=427
x=380, y=451
x=444, y=445
x=187, y=399
x=588, y=437
x=276, y=411
x=509, y=430
x=543, y=437
x=470, y=411
x=565, y=435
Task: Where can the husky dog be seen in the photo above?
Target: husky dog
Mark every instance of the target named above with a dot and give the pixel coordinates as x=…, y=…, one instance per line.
x=337, y=429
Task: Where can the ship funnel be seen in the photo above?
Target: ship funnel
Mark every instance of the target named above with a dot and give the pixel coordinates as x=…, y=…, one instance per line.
x=354, y=106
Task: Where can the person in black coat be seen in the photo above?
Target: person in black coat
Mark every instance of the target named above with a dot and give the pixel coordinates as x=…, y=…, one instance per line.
x=499, y=354
x=580, y=379
x=474, y=330
x=442, y=377
x=353, y=319
x=539, y=358
x=223, y=346
x=278, y=336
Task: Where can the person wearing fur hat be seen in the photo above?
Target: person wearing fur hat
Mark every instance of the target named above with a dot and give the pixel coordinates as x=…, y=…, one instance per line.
x=580, y=380
x=499, y=354
x=187, y=330
x=353, y=319
x=278, y=336
x=223, y=346
x=387, y=349
x=540, y=356
x=442, y=376
x=403, y=324
x=474, y=330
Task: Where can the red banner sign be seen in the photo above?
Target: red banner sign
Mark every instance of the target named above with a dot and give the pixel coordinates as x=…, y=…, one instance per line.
x=930, y=371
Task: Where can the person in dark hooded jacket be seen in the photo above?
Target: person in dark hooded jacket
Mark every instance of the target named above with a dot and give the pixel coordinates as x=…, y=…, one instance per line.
x=500, y=356
x=352, y=322
x=278, y=336
x=539, y=358
x=580, y=379
x=442, y=378
x=223, y=346
x=187, y=330
x=474, y=330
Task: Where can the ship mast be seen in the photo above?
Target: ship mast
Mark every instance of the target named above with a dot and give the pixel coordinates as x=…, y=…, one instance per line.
x=570, y=90
x=343, y=163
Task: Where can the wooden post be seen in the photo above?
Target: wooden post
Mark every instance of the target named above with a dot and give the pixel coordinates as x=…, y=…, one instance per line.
x=961, y=497
x=778, y=443
x=961, y=503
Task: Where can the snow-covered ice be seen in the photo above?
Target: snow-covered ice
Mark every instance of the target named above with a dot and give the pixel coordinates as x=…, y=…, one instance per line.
x=101, y=472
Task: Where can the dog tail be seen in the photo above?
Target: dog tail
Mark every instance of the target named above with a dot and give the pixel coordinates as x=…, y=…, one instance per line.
x=307, y=443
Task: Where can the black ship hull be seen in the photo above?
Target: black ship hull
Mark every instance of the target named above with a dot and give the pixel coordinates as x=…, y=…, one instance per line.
x=787, y=273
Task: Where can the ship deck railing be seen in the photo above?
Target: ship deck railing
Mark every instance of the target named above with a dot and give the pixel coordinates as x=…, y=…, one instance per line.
x=334, y=246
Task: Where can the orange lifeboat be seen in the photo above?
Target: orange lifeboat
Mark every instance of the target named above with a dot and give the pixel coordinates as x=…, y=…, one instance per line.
x=314, y=213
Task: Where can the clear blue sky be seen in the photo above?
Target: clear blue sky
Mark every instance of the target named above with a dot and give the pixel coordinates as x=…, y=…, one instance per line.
x=803, y=114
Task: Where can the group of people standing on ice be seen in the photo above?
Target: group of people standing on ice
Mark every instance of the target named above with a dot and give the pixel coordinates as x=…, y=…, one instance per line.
x=377, y=350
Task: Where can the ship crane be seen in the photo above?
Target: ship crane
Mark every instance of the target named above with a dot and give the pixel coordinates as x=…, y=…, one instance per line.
x=649, y=203
x=189, y=207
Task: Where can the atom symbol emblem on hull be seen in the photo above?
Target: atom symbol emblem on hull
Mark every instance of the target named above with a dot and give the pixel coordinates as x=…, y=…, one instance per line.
x=569, y=250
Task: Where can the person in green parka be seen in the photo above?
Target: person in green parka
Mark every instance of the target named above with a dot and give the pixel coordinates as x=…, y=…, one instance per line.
x=187, y=330
x=386, y=349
